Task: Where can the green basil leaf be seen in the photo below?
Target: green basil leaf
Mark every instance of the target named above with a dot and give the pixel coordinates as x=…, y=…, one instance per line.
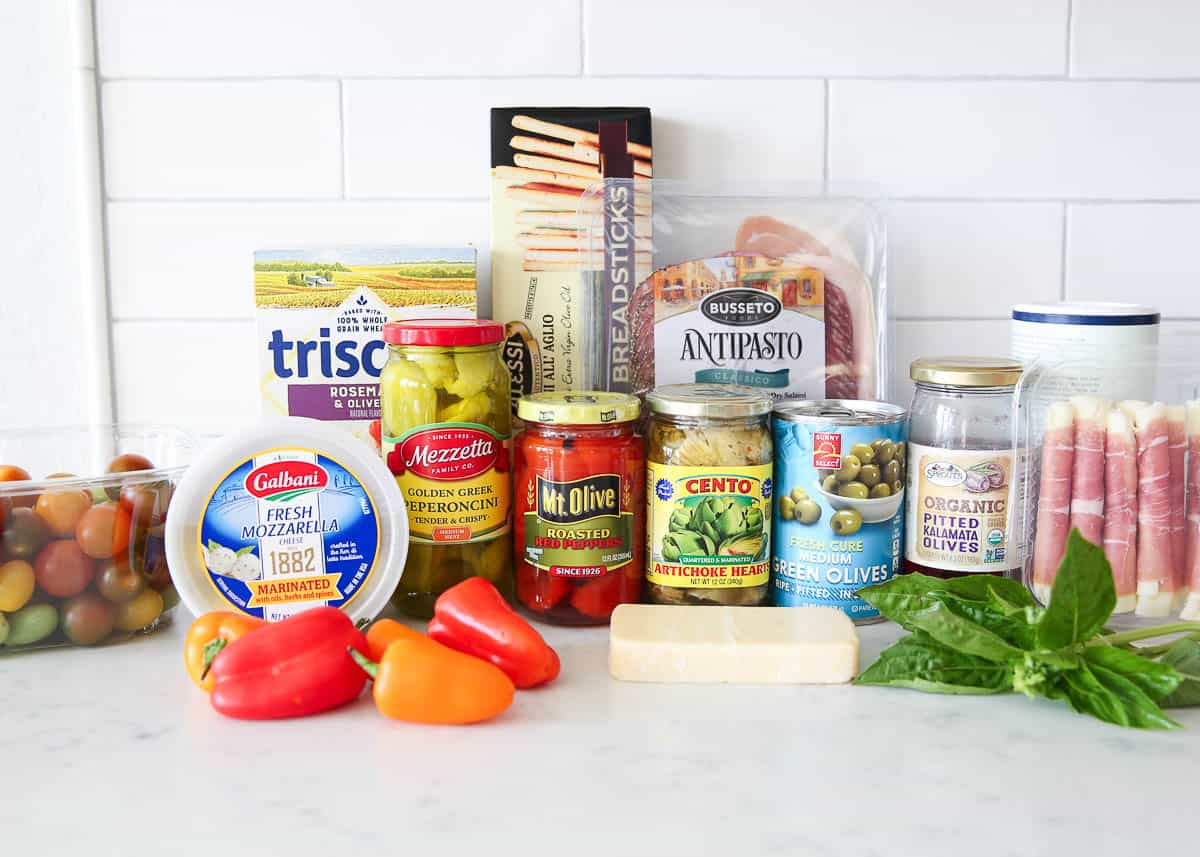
x=1184, y=658
x=917, y=602
x=1156, y=679
x=922, y=663
x=1082, y=598
x=977, y=587
x=1107, y=696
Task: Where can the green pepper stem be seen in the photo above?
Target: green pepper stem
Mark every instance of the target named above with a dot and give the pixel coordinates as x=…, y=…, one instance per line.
x=369, y=666
x=211, y=650
x=1123, y=637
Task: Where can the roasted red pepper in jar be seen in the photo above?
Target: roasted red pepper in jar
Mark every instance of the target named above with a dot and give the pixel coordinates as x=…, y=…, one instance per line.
x=578, y=494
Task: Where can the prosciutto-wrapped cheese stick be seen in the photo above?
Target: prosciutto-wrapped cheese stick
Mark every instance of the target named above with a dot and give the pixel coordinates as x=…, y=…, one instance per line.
x=1087, y=474
x=1054, y=497
x=1191, y=609
x=1120, y=507
x=1177, y=455
x=1157, y=583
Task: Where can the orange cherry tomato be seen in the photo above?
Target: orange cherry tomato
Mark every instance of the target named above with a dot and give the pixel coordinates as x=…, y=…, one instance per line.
x=103, y=531
x=60, y=511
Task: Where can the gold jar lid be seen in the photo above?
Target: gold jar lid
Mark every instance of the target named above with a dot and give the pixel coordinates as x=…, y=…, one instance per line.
x=967, y=371
x=708, y=401
x=584, y=408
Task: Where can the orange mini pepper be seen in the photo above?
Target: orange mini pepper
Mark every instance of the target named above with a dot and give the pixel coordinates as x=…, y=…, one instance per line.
x=207, y=636
x=383, y=633
x=422, y=681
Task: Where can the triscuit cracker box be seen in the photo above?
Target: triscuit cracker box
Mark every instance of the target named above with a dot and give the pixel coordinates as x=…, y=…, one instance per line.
x=321, y=313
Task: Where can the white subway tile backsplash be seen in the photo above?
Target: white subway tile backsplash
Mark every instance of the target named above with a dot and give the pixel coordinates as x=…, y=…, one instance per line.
x=972, y=260
x=814, y=37
x=932, y=338
x=1015, y=139
x=430, y=138
x=206, y=140
x=1150, y=38
x=1135, y=253
x=192, y=373
x=146, y=242
x=296, y=38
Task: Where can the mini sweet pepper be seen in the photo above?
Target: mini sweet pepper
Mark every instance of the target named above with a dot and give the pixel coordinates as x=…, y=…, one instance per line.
x=301, y=665
x=208, y=636
x=474, y=618
x=422, y=681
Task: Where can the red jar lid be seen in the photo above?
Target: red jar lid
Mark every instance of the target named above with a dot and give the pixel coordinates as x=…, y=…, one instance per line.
x=443, y=332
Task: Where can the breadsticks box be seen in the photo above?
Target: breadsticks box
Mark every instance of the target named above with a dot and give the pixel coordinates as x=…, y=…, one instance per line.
x=564, y=331
x=321, y=313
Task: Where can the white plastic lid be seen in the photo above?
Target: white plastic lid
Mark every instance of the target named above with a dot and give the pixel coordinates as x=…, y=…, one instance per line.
x=290, y=514
x=1086, y=312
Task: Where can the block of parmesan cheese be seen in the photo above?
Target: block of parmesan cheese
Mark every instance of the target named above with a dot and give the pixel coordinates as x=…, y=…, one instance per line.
x=751, y=645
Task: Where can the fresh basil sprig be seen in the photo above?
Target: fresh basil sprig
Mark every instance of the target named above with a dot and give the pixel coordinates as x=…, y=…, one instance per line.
x=983, y=634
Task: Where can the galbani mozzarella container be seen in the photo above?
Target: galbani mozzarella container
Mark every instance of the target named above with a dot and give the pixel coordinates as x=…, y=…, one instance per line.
x=1122, y=469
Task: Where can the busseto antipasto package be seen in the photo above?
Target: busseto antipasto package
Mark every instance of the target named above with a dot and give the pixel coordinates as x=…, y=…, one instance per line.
x=1125, y=472
x=543, y=161
x=784, y=292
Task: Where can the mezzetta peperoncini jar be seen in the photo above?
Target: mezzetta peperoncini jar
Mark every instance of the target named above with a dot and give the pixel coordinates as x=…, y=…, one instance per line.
x=445, y=426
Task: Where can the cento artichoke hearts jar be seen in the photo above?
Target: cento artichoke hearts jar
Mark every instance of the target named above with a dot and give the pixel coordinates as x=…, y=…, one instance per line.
x=445, y=425
x=961, y=467
x=708, y=494
x=579, y=476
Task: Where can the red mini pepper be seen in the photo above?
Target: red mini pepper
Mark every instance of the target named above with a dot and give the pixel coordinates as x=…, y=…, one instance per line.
x=474, y=618
x=292, y=668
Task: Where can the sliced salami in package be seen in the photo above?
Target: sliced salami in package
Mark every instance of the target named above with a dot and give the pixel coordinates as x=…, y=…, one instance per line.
x=785, y=293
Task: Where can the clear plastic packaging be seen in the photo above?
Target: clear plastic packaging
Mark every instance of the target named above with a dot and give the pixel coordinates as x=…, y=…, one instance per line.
x=82, y=556
x=784, y=291
x=1125, y=472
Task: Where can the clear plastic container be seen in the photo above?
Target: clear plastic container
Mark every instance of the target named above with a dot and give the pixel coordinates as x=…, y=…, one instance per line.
x=1125, y=472
x=82, y=560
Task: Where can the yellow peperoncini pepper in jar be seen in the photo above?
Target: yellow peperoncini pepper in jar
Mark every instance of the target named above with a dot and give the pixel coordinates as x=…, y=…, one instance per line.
x=445, y=429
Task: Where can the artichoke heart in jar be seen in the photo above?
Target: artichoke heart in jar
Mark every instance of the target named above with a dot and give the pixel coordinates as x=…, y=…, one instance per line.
x=708, y=493
x=446, y=424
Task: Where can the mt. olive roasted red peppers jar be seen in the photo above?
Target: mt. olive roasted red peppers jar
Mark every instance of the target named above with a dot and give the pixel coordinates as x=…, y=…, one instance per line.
x=961, y=468
x=445, y=425
x=578, y=495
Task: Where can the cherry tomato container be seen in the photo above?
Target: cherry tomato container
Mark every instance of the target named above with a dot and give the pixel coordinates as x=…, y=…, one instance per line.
x=82, y=515
x=579, y=486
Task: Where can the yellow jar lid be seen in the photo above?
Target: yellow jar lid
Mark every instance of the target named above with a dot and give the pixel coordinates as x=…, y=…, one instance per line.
x=581, y=408
x=967, y=371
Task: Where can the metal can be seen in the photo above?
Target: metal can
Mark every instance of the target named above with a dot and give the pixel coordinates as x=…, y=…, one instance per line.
x=839, y=502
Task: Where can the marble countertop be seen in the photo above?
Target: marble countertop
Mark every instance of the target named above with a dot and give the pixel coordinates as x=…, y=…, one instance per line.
x=113, y=751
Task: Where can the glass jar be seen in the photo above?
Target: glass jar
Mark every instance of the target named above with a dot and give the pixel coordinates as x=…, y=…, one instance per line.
x=962, y=468
x=709, y=458
x=445, y=425
x=579, y=476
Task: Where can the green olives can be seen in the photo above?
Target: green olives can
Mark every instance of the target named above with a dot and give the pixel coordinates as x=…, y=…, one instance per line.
x=838, y=511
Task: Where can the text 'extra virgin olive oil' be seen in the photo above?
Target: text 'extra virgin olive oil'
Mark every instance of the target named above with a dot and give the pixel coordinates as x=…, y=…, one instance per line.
x=840, y=469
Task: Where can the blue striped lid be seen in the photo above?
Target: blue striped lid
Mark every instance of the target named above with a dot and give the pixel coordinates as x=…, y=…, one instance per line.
x=1087, y=313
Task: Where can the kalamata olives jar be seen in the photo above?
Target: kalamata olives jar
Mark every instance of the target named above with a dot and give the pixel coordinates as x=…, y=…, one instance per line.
x=446, y=421
x=962, y=468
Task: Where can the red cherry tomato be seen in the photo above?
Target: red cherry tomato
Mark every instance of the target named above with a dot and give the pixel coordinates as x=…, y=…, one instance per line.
x=62, y=569
x=103, y=531
x=130, y=462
